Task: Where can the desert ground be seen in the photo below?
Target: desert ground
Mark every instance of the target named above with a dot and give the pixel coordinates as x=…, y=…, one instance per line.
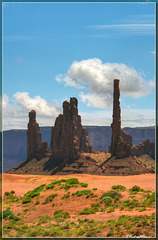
x=78, y=205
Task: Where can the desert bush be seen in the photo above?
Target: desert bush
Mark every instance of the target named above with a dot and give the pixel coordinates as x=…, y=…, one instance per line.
x=111, y=232
x=7, y=214
x=83, y=184
x=88, y=210
x=37, y=202
x=26, y=200
x=7, y=194
x=119, y=188
x=50, y=198
x=94, y=188
x=136, y=189
x=81, y=193
x=61, y=213
x=12, y=191
x=35, y=192
x=67, y=195
x=111, y=194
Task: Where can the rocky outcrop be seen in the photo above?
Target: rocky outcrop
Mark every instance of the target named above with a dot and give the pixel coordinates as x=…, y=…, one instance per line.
x=146, y=147
x=69, y=138
x=35, y=148
x=120, y=141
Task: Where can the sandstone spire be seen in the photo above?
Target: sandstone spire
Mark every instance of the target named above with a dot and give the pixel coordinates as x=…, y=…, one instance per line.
x=69, y=138
x=121, y=142
x=33, y=135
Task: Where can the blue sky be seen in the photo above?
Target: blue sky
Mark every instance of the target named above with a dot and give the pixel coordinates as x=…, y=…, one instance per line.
x=54, y=51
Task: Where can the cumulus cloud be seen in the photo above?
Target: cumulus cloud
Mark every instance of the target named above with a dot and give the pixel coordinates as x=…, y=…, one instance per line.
x=5, y=102
x=15, y=111
x=95, y=100
x=40, y=105
x=98, y=78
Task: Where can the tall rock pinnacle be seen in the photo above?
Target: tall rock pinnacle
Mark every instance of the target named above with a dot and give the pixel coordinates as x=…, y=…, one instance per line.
x=121, y=142
x=33, y=135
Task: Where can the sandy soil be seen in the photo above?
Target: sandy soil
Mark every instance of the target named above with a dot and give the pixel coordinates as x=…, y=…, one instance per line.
x=23, y=183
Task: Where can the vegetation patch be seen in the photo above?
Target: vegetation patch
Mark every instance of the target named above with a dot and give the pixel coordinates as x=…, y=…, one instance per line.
x=81, y=193
x=119, y=188
x=35, y=192
x=50, y=198
x=7, y=214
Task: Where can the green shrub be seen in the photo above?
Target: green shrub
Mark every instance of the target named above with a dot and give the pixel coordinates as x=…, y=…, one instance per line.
x=107, y=200
x=136, y=189
x=88, y=210
x=61, y=213
x=81, y=193
x=50, y=198
x=7, y=214
x=72, y=181
x=26, y=209
x=37, y=202
x=119, y=188
x=81, y=232
x=35, y=192
x=111, y=194
x=111, y=232
x=67, y=195
x=7, y=194
x=12, y=191
x=94, y=188
x=91, y=234
x=26, y=200
x=83, y=184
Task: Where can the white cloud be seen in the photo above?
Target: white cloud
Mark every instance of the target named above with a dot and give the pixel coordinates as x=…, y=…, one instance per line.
x=5, y=102
x=98, y=78
x=15, y=112
x=95, y=100
x=40, y=105
x=129, y=118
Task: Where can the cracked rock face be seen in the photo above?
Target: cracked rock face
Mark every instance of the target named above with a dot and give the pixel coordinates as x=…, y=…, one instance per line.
x=69, y=138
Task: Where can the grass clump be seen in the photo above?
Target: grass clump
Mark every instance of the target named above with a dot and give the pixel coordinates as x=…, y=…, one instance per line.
x=136, y=189
x=50, y=198
x=112, y=194
x=35, y=192
x=61, y=214
x=67, y=195
x=119, y=188
x=87, y=211
x=26, y=200
x=84, y=184
x=81, y=193
x=7, y=214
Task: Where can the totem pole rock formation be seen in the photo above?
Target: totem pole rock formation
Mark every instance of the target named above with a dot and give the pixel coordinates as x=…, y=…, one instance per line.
x=68, y=137
x=35, y=148
x=121, y=142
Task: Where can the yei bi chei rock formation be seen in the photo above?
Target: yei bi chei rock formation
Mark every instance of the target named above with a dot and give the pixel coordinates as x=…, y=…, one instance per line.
x=68, y=139
x=121, y=142
x=35, y=148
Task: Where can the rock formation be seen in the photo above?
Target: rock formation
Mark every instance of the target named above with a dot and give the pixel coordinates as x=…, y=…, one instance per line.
x=121, y=141
x=146, y=147
x=68, y=137
x=35, y=148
